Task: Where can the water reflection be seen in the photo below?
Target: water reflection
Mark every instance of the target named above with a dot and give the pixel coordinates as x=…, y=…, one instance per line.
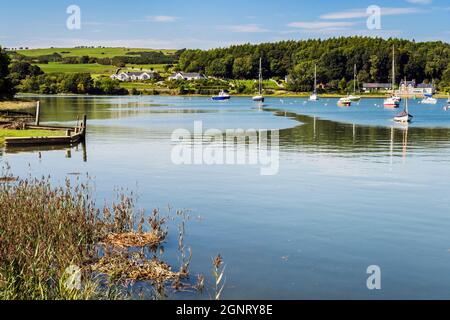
x=318, y=135
x=68, y=151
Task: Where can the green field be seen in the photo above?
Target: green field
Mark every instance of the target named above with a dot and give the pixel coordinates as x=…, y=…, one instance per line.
x=92, y=52
x=95, y=69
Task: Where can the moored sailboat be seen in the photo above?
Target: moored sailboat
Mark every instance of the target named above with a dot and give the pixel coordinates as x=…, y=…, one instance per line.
x=393, y=101
x=314, y=96
x=404, y=116
x=259, y=97
x=354, y=97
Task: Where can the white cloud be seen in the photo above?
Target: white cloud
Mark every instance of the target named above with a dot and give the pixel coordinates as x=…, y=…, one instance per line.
x=420, y=1
x=320, y=25
x=163, y=19
x=362, y=13
x=246, y=28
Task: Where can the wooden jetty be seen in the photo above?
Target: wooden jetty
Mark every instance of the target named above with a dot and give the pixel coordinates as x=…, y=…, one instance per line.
x=74, y=135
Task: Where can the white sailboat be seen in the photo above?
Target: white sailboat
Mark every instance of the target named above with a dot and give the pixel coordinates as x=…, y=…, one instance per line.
x=354, y=97
x=405, y=116
x=259, y=97
x=314, y=96
x=393, y=101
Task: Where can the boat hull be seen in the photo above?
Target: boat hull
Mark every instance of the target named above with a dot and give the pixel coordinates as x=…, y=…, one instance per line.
x=258, y=99
x=355, y=99
x=429, y=101
x=392, y=105
x=403, y=119
x=220, y=98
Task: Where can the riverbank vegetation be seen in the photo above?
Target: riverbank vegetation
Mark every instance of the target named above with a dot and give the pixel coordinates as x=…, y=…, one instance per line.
x=55, y=243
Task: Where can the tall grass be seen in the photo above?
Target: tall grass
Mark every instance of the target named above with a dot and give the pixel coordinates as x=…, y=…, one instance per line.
x=56, y=244
x=43, y=231
x=46, y=231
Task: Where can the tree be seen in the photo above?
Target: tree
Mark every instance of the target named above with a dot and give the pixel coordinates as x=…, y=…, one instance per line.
x=242, y=68
x=302, y=77
x=374, y=61
x=6, y=86
x=217, y=68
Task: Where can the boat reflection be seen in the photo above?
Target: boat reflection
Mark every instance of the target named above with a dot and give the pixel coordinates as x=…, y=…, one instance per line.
x=68, y=151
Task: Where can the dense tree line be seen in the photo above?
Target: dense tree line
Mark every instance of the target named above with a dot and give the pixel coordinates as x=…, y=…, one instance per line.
x=335, y=59
x=75, y=83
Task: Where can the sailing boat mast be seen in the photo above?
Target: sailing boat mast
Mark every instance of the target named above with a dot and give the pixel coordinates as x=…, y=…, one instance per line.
x=260, y=75
x=354, y=82
x=259, y=97
x=393, y=69
x=406, y=100
x=315, y=79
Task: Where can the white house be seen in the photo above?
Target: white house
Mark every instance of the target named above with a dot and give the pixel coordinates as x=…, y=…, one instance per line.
x=419, y=89
x=188, y=76
x=134, y=76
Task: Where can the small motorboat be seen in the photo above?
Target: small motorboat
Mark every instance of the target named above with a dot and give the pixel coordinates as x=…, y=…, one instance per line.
x=344, y=102
x=223, y=95
x=392, y=102
x=429, y=99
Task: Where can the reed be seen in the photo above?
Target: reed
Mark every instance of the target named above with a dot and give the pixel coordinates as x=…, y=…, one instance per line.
x=46, y=231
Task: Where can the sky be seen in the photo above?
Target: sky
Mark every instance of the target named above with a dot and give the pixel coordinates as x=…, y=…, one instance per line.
x=176, y=24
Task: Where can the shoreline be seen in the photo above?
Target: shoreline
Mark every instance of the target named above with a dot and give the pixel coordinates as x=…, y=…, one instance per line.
x=31, y=104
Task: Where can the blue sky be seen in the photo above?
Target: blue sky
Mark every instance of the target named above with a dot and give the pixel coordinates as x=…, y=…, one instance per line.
x=213, y=23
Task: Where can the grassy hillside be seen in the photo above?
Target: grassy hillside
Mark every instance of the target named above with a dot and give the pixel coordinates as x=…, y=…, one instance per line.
x=92, y=52
x=95, y=69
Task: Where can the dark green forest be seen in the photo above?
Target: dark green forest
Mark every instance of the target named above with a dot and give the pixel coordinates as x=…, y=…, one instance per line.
x=335, y=58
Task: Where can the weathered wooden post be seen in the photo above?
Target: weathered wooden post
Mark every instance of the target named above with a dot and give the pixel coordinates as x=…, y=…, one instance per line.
x=84, y=124
x=38, y=111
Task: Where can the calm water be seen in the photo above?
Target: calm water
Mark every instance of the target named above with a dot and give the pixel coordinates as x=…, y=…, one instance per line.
x=354, y=190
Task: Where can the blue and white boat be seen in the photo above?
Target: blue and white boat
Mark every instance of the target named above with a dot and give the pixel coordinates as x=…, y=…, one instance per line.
x=223, y=95
x=429, y=99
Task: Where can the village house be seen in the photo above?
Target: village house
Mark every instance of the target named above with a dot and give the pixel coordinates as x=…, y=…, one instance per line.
x=135, y=76
x=188, y=76
x=420, y=89
x=376, y=87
